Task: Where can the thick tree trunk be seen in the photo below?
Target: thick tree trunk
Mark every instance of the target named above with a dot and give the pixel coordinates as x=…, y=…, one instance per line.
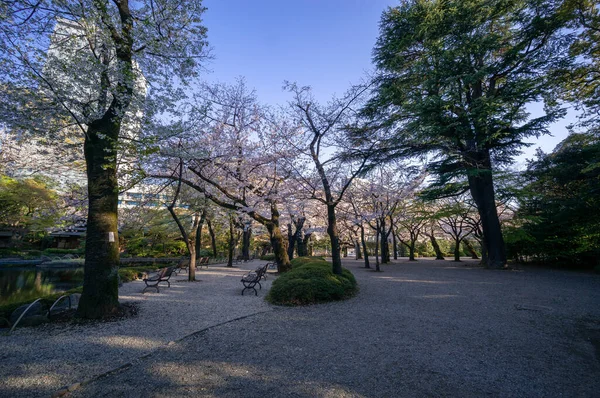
x=364, y=245
x=213, y=239
x=483, y=253
x=192, y=267
x=436, y=247
x=100, y=295
x=281, y=257
x=332, y=231
x=482, y=189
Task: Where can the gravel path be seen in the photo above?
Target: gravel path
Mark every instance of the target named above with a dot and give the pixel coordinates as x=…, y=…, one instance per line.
x=37, y=362
x=428, y=328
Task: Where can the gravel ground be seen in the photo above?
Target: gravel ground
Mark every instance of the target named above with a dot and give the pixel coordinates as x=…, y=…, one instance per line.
x=427, y=328
x=37, y=362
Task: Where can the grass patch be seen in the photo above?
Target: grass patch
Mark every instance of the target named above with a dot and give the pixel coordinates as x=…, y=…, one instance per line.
x=311, y=281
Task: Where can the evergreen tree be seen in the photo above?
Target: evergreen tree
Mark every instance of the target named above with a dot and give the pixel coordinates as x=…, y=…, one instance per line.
x=453, y=81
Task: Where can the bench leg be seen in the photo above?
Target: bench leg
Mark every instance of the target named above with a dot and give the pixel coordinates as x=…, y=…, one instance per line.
x=155, y=286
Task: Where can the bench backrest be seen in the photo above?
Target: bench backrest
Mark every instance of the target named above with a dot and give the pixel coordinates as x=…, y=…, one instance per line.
x=168, y=272
x=184, y=262
x=261, y=270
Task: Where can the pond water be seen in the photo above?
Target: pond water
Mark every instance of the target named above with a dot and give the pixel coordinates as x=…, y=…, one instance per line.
x=21, y=284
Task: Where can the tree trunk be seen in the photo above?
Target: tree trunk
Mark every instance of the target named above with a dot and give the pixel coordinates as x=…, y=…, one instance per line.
x=303, y=246
x=377, y=268
x=332, y=231
x=246, y=243
x=231, y=245
x=394, y=243
x=199, y=233
x=483, y=254
x=471, y=249
x=411, y=251
x=100, y=295
x=364, y=245
x=357, y=251
x=385, y=249
x=281, y=257
x=436, y=247
x=457, y=250
x=213, y=239
x=192, y=267
x=482, y=189
x=291, y=242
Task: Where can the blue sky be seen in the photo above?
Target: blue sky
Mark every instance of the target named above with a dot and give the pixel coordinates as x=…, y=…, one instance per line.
x=325, y=44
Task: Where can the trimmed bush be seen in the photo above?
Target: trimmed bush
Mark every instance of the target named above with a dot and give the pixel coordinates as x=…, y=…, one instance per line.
x=311, y=281
x=268, y=257
x=129, y=274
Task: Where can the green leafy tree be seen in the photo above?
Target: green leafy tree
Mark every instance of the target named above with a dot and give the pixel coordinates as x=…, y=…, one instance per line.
x=453, y=81
x=27, y=205
x=95, y=68
x=559, y=211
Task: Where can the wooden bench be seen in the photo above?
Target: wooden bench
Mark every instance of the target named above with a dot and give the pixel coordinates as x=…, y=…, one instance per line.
x=163, y=275
x=253, y=278
x=202, y=262
x=182, y=265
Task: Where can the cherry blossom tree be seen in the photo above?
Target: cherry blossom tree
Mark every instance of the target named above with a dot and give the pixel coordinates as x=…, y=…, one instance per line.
x=319, y=142
x=226, y=159
x=94, y=68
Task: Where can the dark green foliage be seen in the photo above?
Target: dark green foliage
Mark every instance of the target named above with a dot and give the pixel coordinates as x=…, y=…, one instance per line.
x=311, y=281
x=268, y=257
x=47, y=301
x=62, y=251
x=559, y=210
x=299, y=261
x=129, y=274
x=453, y=80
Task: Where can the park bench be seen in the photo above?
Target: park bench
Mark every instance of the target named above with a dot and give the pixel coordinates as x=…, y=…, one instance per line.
x=163, y=275
x=253, y=278
x=263, y=270
x=182, y=265
x=202, y=262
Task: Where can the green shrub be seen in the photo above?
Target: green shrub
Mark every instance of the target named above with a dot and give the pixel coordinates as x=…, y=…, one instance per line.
x=9, y=251
x=62, y=251
x=268, y=257
x=47, y=301
x=129, y=274
x=298, y=261
x=311, y=281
